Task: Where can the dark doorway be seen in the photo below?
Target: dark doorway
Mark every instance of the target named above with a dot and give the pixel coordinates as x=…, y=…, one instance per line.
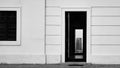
x=75, y=36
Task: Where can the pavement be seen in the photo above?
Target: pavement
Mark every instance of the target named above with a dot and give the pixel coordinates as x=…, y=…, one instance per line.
x=59, y=66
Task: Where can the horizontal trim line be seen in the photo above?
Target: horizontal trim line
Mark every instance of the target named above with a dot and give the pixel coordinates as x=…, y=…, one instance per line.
x=52, y=44
x=9, y=45
x=87, y=7
x=53, y=15
x=53, y=35
x=105, y=35
x=14, y=6
x=52, y=6
x=105, y=44
x=105, y=6
x=105, y=15
x=52, y=25
x=105, y=25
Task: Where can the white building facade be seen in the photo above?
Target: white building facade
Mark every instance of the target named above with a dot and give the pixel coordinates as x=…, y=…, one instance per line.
x=42, y=31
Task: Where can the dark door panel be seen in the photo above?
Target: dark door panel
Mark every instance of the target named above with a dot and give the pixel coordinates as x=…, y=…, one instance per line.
x=75, y=36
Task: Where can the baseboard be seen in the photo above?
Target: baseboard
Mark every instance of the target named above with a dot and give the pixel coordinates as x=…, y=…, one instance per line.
x=22, y=59
x=105, y=59
x=54, y=59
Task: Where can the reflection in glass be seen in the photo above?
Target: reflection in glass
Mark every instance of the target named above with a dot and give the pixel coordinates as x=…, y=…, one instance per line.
x=78, y=40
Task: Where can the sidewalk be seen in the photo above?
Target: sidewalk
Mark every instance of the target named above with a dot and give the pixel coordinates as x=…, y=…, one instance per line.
x=57, y=66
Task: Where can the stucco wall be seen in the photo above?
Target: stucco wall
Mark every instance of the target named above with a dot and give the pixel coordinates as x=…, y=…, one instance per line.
x=31, y=49
x=104, y=28
x=35, y=42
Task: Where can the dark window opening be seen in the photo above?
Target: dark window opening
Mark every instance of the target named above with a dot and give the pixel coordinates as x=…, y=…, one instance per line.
x=8, y=23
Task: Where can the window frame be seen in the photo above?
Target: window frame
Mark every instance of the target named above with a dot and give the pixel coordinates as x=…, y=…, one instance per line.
x=18, y=21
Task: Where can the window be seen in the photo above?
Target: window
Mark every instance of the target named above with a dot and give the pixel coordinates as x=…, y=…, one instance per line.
x=9, y=26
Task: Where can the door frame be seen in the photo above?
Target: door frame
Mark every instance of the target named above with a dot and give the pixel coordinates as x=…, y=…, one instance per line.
x=88, y=54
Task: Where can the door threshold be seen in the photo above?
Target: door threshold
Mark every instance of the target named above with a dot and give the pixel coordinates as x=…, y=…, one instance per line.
x=76, y=63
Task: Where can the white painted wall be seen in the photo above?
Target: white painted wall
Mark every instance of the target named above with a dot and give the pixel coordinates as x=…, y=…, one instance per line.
x=53, y=31
x=105, y=35
x=31, y=49
x=105, y=27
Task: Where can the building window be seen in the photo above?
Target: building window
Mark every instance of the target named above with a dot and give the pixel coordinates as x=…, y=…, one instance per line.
x=75, y=36
x=9, y=26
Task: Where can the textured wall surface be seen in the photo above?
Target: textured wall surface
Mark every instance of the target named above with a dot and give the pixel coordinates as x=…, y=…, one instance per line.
x=104, y=26
x=41, y=31
x=31, y=49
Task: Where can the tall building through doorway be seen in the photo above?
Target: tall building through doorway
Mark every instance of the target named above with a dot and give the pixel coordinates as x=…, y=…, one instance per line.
x=75, y=36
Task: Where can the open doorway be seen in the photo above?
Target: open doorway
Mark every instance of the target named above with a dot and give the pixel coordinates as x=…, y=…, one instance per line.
x=76, y=39
x=75, y=36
